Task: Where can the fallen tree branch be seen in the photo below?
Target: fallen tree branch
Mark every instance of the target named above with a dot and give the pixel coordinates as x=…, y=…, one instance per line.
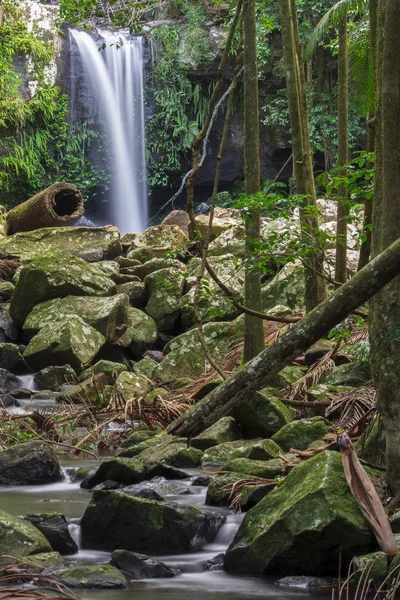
x=258, y=372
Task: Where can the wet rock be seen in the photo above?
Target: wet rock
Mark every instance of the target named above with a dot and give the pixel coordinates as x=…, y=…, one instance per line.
x=93, y=244
x=299, y=434
x=94, y=576
x=155, y=264
x=31, y=463
x=82, y=222
x=11, y=359
x=20, y=538
x=8, y=330
x=48, y=278
x=122, y=470
x=156, y=240
x=224, y=430
x=159, y=486
x=165, y=289
x=185, y=356
x=215, y=564
x=138, y=436
x=141, y=333
x=263, y=414
x=141, y=566
x=174, y=454
x=376, y=563
x=252, y=494
x=109, y=484
x=252, y=449
x=8, y=381
x=114, y=520
x=268, y=469
x=299, y=527
x=6, y=290
x=50, y=378
x=218, y=494
x=108, y=316
x=107, y=367
x=306, y=582
x=70, y=341
x=6, y=401
x=202, y=480
x=179, y=218
x=203, y=209
x=155, y=355
x=55, y=529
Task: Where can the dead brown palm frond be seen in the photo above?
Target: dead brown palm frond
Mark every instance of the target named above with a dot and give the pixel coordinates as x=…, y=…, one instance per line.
x=352, y=407
x=235, y=489
x=298, y=391
x=367, y=587
x=161, y=412
x=8, y=266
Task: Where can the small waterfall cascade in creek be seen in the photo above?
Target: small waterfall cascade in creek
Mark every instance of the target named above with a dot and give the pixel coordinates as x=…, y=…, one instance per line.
x=112, y=63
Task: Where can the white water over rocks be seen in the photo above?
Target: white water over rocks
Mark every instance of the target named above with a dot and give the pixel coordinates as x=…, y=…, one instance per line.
x=116, y=77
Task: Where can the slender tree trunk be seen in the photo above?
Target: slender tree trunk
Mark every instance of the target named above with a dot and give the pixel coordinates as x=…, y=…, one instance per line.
x=365, y=249
x=254, y=329
x=315, y=288
x=343, y=154
x=385, y=307
x=258, y=372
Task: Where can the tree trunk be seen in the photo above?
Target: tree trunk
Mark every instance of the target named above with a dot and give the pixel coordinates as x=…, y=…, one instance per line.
x=315, y=288
x=254, y=329
x=258, y=372
x=343, y=154
x=56, y=206
x=385, y=307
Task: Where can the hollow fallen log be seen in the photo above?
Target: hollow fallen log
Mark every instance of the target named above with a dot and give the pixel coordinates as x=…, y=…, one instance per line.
x=258, y=372
x=55, y=206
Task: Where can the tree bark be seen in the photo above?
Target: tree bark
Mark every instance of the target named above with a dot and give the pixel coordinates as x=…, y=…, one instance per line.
x=316, y=324
x=343, y=154
x=56, y=206
x=315, y=288
x=254, y=329
x=385, y=308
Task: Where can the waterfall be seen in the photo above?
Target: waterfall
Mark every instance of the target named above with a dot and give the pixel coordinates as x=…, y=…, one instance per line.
x=115, y=75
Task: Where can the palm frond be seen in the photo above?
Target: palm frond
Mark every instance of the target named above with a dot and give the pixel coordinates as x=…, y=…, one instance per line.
x=352, y=407
x=339, y=10
x=361, y=74
x=298, y=391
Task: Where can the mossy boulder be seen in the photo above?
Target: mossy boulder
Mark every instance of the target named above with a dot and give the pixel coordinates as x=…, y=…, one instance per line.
x=141, y=333
x=70, y=341
x=155, y=241
x=10, y=358
x=93, y=390
x=116, y=520
x=375, y=564
x=263, y=414
x=91, y=243
x=224, y=430
x=138, y=436
x=136, y=292
x=94, y=576
x=141, y=566
x=165, y=289
x=286, y=288
x=268, y=469
x=147, y=367
x=51, y=378
x=299, y=434
x=122, y=470
x=353, y=374
x=251, y=495
x=109, y=316
x=20, y=538
x=300, y=526
x=49, y=561
x=48, y=278
x=156, y=264
x=176, y=454
x=30, y=463
x=55, y=529
x=6, y=290
x=322, y=392
x=130, y=385
x=219, y=489
x=287, y=376
x=252, y=449
x=185, y=355
x=107, y=367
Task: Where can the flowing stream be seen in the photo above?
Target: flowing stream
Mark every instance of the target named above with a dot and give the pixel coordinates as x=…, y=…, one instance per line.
x=113, y=64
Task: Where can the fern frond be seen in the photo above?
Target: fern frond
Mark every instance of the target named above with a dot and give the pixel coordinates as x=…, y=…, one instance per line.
x=361, y=74
x=339, y=10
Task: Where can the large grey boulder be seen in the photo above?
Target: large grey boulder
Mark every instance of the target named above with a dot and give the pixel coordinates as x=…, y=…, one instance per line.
x=31, y=463
x=19, y=538
x=165, y=289
x=55, y=529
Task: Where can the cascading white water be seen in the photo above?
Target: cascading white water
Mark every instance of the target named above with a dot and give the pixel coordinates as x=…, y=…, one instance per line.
x=116, y=80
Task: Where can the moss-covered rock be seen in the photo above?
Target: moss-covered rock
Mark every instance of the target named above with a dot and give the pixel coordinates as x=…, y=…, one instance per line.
x=31, y=463
x=224, y=430
x=50, y=378
x=155, y=264
x=176, y=454
x=130, y=385
x=220, y=488
x=375, y=564
x=122, y=470
x=268, y=469
x=372, y=445
x=108, y=367
x=155, y=241
x=70, y=341
x=321, y=392
x=251, y=495
x=353, y=374
x=47, y=278
x=299, y=527
x=299, y=434
x=287, y=376
x=287, y=288
x=252, y=449
x=138, y=436
x=108, y=267
x=49, y=561
x=55, y=529
x=116, y=520
x=94, y=576
x=141, y=333
x=165, y=289
x=6, y=290
x=93, y=390
x=10, y=358
x=263, y=414
x=20, y=538
x=146, y=367
x=90, y=243
x=136, y=292
x=109, y=316
x=185, y=355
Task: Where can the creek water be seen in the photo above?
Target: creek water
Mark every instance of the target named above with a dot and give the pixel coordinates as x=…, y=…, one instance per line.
x=112, y=63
